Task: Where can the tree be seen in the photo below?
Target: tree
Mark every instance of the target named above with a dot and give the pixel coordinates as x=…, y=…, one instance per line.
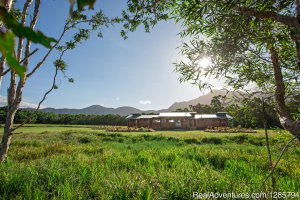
x=9, y=27
x=248, y=42
x=78, y=21
x=182, y=110
x=248, y=113
x=216, y=104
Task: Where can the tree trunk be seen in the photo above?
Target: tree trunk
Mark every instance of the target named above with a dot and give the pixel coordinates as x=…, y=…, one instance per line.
x=6, y=138
x=2, y=66
x=7, y=4
x=14, y=94
x=284, y=115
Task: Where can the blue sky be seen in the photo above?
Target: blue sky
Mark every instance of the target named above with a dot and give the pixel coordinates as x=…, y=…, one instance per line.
x=110, y=71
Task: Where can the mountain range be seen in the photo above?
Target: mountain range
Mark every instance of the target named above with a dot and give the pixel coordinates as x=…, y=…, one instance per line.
x=97, y=110
x=127, y=110
x=204, y=99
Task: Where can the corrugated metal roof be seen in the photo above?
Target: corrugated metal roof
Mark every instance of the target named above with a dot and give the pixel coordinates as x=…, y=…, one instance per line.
x=227, y=117
x=175, y=114
x=206, y=116
x=180, y=114
x=130, y=117
x=212, y=116
x=141, y=116
x=147, y=116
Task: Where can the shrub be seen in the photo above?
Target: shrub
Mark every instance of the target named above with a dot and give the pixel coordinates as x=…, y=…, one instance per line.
x=84, y=140
x=212, y=140
x=192, y=141
x=240, y=138
x=217, y=161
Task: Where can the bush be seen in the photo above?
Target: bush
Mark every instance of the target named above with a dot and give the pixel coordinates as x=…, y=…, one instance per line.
x=240, y=138
x=84, y=140
x=212, y=140
x=192, y=141
x=217, y=161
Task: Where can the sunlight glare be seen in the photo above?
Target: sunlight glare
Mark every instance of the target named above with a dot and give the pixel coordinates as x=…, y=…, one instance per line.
x=204, y=62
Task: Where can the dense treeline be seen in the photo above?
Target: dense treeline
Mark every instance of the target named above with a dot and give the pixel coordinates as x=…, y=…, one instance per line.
x=247, y=113
x=52, y=118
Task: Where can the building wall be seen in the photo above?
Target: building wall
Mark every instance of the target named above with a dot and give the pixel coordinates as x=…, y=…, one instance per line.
x=132, y=123
x=155, y=125
x=206, y=123
x=144, y=123
x=170, y=123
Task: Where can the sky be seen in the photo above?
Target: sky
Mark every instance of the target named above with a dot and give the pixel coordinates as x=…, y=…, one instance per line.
x=109, y=71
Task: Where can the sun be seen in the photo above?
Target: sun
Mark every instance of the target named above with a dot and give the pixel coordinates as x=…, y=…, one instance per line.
x=204, y=62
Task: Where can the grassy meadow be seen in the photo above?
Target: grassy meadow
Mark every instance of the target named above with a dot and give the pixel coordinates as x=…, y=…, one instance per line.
x=81, y=162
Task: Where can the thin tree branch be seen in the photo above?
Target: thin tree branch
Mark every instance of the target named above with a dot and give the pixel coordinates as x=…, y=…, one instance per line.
x=298, y=9
x=287, y=20
x=267, y=143
x=32, y=26
x=2, y=65
x=278, y=160
x=23, y=22
x=22, y=80
x=7, y=4
x=66, y=28
x=29, y=55
x=295, y=36
x=259, y=55
x=48, y=53
x=29, y=119
x=8, y=70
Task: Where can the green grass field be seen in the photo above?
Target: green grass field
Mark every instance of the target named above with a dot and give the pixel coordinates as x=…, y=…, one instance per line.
x=80, y=162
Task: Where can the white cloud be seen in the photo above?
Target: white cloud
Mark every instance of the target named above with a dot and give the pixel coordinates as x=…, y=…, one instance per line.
x=117, y=98
x=145, y=102
x=24, y=104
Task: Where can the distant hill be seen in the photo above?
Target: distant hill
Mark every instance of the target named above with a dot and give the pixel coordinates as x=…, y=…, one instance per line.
x=97, y=110
x=204, y=99
x=127, y=110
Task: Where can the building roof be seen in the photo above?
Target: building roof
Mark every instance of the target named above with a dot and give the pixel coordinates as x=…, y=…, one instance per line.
x=206, y=116
x=131, y=117
x=140, y=116
x=212, y=116
x=192, y=115
x=147, y=116
x=175, y=114
x=225, y=117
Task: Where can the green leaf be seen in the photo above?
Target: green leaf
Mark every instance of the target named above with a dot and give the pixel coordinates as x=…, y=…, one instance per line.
x=7, y=49
x=15, y=66
x=22, y=31
x=82, y=3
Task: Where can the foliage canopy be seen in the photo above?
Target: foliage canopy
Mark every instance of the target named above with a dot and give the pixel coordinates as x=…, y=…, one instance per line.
x=248, y=42
x=18, y=29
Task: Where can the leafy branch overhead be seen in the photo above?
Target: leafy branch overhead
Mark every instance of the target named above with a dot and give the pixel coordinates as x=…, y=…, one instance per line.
x=7, y=45
x=82, y=3
x=249, y=43
x=14, y=28
x=7, y=39
x=26, y=32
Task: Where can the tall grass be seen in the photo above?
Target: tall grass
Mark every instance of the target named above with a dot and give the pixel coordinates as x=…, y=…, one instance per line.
x=98, y=165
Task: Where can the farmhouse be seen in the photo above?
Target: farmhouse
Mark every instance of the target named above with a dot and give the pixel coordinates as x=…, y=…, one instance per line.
x=179, y=120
